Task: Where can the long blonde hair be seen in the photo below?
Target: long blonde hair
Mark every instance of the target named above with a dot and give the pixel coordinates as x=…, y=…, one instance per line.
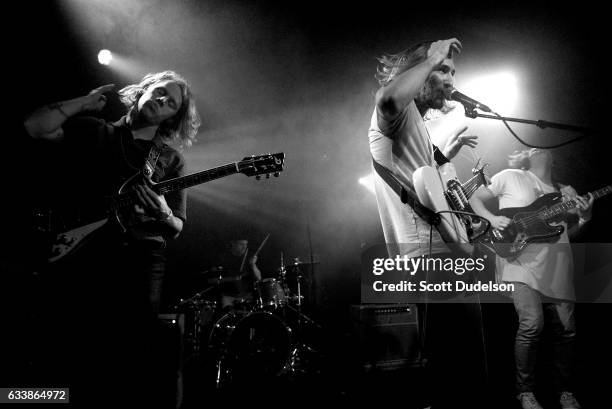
x=392, y=65
x=183, y=126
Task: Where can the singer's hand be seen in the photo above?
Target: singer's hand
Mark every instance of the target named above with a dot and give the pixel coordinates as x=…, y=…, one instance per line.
x=444, y=49
x=457, y=140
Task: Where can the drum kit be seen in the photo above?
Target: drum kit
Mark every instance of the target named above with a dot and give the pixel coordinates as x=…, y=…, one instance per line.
x=253, y=338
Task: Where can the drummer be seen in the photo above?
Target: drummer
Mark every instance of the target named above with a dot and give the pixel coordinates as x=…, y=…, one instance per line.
x=236, y=273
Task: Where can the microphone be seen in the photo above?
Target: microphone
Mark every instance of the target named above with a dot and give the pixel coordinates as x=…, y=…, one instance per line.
x=467, y=101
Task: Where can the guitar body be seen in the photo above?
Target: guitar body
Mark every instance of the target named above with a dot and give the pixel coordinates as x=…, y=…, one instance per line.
x=125, y=216
x=525, y=227
x=69, y=241
x=431, y=187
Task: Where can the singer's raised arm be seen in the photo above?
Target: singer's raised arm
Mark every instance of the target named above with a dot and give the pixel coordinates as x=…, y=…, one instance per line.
x=392, y=98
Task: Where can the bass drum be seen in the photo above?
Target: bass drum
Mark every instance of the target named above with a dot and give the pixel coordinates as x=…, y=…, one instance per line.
x=250, y=346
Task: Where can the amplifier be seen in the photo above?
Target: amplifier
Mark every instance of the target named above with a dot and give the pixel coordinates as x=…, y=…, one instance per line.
x=388, y=335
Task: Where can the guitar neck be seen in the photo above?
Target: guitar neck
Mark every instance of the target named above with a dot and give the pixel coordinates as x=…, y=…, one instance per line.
x=185, y=182
x=127, y=199
x=561, y=208
x=472, y=184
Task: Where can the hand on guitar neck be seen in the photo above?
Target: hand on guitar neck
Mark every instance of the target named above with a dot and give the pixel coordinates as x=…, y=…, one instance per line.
x=514, y=228
x=584, y=205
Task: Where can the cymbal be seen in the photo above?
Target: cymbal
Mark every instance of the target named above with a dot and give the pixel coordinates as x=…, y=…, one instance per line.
x=218, y=271
x=303, y=263
x=219, y=280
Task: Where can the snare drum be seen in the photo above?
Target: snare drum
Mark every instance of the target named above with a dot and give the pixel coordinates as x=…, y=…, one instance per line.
x=271, y=293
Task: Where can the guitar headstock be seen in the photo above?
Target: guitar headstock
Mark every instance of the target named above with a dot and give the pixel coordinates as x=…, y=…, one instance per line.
x=257, y=165
x=480, y=171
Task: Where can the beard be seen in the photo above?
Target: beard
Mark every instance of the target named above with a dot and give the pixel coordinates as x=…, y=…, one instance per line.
x=432, y=94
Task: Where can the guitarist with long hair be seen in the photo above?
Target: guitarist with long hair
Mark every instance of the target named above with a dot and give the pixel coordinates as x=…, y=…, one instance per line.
x=413, y=83
x=113, y=289
x=542, y=273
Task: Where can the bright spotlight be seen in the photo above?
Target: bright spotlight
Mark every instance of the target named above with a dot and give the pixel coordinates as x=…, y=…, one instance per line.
x=498, y=91
x=105, y=57
x=368, y=182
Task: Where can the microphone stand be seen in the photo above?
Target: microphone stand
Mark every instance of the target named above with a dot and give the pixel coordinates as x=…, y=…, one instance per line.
x=471, y=113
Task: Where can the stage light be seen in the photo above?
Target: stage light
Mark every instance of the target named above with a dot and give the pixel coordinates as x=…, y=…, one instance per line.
x=498, y=91
x=368, y=182
x=105, y=57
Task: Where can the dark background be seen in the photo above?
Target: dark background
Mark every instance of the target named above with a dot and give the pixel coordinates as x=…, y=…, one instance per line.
x=299, y=78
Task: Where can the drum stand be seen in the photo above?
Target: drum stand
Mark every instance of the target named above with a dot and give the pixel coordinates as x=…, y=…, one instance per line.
x=296, y=364
x=194, y=333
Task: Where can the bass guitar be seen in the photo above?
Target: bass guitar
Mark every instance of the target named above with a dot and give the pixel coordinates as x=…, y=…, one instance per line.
x=532, y=224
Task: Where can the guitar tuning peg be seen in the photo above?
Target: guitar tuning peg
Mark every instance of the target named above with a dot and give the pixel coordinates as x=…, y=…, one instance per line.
x=475, y=168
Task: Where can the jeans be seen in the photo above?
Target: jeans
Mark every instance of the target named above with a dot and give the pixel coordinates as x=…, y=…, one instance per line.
x=533, y=309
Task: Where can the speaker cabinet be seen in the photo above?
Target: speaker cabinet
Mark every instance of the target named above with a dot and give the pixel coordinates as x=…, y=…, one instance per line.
x=388, y=335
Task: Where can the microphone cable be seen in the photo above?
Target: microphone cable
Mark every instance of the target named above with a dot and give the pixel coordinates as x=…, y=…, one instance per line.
x=535, y=146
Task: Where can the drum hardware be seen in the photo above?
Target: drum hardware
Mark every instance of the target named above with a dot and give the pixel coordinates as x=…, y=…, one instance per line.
x=265, y=338
x=297, y=272
x=200, y=311
x=301, y=360
x=250, y=345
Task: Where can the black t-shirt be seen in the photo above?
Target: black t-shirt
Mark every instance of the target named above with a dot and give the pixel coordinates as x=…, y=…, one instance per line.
x=105, y=155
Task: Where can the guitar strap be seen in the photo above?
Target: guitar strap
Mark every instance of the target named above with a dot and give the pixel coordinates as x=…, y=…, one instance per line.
x=149, y=167
x=439, y=156
x=406, y=195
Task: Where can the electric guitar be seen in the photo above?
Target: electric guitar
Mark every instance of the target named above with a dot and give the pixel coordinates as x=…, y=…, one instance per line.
x=69, y=231
x=441, y=191
x=532, y=224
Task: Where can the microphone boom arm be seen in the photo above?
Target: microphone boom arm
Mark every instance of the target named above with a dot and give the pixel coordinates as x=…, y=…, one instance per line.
x=471, y=113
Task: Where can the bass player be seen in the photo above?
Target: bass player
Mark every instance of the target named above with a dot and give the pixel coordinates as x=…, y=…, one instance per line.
x=542, y=274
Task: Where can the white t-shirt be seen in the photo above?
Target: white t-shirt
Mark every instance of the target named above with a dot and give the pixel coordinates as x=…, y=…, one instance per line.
x=547, y=268
x=402, y=146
